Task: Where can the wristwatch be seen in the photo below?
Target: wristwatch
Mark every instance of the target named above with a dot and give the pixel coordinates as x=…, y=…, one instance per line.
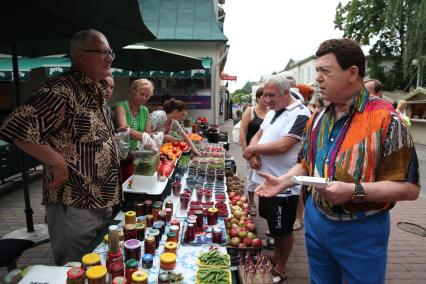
x=359, y=194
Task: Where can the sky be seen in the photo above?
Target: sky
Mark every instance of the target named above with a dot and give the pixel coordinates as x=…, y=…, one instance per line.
x=264, y=34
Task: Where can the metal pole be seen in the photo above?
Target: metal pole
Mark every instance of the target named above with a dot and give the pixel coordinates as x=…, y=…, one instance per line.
x=28, y=209
x=419, y=71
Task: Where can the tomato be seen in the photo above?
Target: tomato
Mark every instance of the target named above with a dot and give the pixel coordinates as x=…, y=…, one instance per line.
x=182, y=145
x=176, y=144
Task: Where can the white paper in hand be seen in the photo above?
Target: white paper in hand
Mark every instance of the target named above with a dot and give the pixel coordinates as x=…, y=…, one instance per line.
x=317, y=182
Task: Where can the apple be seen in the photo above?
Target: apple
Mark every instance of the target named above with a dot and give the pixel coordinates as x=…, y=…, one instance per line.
x=257, y=243
x=244, y=199
x=233, y=233
x=238, y=214
x=242, y=224
x=240, y=203
x=235, y=241
x=250, y=227
x=235, y=226
x=232, y=194
x=251, y=235
x=237, y=197
x=228, y=225
x=234, y=221
x=245, y=206
x=242, y=234
x=247, y=241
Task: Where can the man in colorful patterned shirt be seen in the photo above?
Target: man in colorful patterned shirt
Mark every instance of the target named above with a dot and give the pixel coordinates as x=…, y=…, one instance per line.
x=66, y=125
x=368, y=155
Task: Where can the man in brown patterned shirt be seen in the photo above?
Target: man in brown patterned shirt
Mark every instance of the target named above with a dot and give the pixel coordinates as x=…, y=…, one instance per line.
x=65, y=124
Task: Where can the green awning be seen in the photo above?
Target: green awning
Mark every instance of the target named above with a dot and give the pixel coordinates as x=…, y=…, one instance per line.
x=53, y=67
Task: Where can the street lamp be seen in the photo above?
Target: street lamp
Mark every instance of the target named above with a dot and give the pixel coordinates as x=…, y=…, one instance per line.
x=419, y=64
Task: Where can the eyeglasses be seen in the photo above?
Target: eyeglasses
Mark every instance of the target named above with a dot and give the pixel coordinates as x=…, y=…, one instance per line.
x=103, y=53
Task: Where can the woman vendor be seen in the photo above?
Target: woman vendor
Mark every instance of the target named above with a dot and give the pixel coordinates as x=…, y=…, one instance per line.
x=132, y=113
x=167, y=121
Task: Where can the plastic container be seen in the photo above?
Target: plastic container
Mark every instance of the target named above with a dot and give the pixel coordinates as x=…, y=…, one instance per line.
x=168, y=261
x=145, y=162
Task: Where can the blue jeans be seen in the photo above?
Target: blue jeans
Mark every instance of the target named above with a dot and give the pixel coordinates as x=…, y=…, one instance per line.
x=352, y=250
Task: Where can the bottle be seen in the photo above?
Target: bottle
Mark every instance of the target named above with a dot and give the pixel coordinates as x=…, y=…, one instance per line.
x=96, y=274
x=113, y=240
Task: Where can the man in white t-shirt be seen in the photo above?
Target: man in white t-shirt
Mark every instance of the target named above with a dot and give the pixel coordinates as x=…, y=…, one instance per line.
x=274, y=150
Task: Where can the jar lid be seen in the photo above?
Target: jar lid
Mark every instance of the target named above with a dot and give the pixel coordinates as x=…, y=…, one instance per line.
x=119, y=280
x=140, y=226
x=168, y=257
x=171, y=234
x=147, y=257
x=170, y=245
x=113, y=228
x=139, y=276
x=75, y=272
x=217, y=230
x=96, y=272
x=129, y=226
x=90, y=259
x=132, y=263
x=130, y=214
x=149, y=239
x=167, y=210
x=148, y=201
x=116, y=266
x=132, y=244
x=213, y=210
x=156, y=206
x=162, y=213
x=174, y=228
x=149, y=216
x=153, y=232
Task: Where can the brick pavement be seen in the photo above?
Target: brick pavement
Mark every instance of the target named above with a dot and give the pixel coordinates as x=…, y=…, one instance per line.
x=407, y=252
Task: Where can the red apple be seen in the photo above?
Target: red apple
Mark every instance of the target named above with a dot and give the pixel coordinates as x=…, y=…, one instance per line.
x=257, y=243
x=233, y=233
x=247, y=241
x=250, y=227
x=232, y=194
x=242, y=224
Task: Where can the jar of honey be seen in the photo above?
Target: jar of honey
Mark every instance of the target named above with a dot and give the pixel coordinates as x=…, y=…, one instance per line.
x=75, y=275
x=130, y=217
x=96, y=274
x=150, y=245
x=139, y=277
x=90, y=259
x=170, y=247
x=168, y=261
x=212, y=216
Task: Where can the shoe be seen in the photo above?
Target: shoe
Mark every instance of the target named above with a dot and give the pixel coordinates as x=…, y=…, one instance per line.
x=298, y=224
x=278, y=278
x=269, y=244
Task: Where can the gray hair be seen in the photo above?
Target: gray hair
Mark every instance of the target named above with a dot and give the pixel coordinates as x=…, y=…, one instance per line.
x=282, y=83
x=82, y=40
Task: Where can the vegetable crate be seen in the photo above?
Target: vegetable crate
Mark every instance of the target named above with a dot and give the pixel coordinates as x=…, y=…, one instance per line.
x=235, y=253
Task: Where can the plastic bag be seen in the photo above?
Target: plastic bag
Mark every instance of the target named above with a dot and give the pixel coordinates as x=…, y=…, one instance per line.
x=122, y=142
x=147, y=143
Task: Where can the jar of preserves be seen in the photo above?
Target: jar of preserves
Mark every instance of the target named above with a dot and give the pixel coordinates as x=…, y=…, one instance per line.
x=160, y=226
x=170, y=247
x=164, y=278
x=130, y=217
x=190, y=233
x=175, y=222
x=119, y=280
x=169, y=213
x=171, y=237
x=148, y=206
x=200, y=217
x=90, y=259
x=168, y=261
x=159, y=202
x=212, y=216
x=217, y=235
x=129, y=232
x=75, y=275
x=140, y=209
x=169, y=204
x=150, y=245
x=147, y=261
x=116, y=269
x=114, y=257
x=131, y=267
x=155, y=209
x=162, y=216
x=139, y=277
x=156, y=234
x=132, y=249
x=140, y=232
x=96, y=274
x=149, y=220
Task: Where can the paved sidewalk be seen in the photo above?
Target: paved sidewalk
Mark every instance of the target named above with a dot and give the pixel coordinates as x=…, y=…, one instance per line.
x=407, y=252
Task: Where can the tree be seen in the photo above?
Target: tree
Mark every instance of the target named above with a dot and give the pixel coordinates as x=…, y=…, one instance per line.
x=247, y=87
x=399, y=27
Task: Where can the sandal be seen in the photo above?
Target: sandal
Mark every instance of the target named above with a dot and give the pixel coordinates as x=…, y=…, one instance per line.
x=278, y=278
x=253, y=210
x=298, y=224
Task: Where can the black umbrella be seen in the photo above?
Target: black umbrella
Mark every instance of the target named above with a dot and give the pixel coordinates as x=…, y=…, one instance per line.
x=43, y=27
x=144, y=58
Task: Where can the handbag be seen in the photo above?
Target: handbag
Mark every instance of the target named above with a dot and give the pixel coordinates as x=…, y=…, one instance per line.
x=236, y=133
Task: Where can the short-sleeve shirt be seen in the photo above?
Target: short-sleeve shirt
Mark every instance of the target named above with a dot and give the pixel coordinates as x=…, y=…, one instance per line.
x=289, y=123
x=158, y=123
x=137, y=122
x=70, y=114
x=368, y=143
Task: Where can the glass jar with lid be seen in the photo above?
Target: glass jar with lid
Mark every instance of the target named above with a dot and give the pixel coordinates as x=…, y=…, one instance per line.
x=168, y=261
x=96, y=274
x=90, y=259
x=139, y=277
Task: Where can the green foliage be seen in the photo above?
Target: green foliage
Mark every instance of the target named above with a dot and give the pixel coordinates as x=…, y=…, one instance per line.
x=399, y=28
x=236, y=97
